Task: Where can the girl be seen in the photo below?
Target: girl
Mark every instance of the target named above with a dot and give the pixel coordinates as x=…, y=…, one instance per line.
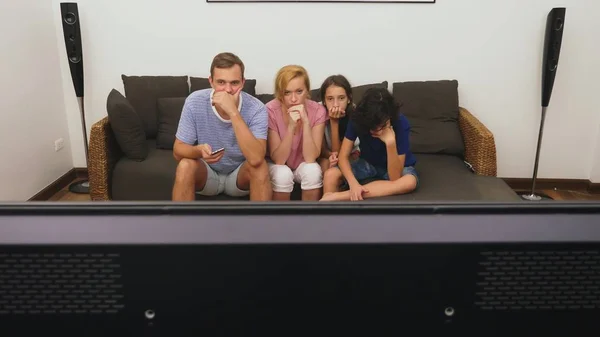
x=296, y=129
x=336, y=96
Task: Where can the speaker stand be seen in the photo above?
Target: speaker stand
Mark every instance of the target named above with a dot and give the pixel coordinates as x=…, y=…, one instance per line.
x=82, y=186
x=532, y=196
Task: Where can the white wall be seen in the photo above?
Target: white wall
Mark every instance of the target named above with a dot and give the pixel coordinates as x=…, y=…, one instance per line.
x=32, y=113
x=595, y=169
x=492, y=47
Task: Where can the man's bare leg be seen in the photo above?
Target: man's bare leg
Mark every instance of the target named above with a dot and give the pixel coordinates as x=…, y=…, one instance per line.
x=379, y=188
x=190, y=175
x=257, y=180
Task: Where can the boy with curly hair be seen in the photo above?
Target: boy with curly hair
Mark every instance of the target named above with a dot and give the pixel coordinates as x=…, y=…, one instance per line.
x=385, y=157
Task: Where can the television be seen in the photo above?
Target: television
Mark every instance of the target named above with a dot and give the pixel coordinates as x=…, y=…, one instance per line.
x=299, y=268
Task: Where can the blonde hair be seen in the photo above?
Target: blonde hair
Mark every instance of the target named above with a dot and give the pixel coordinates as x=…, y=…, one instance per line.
x=285, y=75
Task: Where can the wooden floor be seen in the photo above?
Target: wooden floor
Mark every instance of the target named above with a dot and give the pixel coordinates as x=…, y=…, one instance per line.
x=66, y=195
x=571, y=195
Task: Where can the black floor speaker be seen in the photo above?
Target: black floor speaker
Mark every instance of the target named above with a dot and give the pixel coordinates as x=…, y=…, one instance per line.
x=555, y=23
x=71, y=22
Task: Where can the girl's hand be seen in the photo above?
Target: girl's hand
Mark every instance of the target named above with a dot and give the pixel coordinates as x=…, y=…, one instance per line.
x=333, y=159
x=336, y=113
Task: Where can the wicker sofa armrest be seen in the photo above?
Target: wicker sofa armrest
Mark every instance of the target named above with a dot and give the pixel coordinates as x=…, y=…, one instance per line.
x=104, y=151
x=480, y=146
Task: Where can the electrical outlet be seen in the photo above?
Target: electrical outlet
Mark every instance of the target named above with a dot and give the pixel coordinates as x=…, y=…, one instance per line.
x=58, y=144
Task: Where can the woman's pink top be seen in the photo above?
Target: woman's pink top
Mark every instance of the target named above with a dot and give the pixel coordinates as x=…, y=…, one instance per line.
x=316, y=115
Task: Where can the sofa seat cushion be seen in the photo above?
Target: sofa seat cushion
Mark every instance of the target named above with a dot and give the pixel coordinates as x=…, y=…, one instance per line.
x=151, y=179
x=445, y=178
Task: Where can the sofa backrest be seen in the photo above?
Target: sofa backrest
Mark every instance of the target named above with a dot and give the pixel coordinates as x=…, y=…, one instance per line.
x=432, y=110
x=430, y=106
x=143, y=91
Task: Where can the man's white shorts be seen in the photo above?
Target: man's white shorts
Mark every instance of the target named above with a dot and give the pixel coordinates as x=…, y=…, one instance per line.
x=217, y=183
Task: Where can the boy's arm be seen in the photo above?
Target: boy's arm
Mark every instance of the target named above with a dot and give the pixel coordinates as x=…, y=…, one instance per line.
x=395, y=162
x=396, y=145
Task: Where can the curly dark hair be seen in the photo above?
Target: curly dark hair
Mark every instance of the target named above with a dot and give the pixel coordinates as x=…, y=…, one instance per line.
x=376, y=107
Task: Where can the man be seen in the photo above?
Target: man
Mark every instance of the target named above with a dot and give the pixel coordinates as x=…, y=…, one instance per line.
x=221, y=139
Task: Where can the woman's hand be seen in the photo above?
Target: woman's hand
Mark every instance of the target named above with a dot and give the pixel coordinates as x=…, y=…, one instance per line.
x=301, y=112
x=294, y=118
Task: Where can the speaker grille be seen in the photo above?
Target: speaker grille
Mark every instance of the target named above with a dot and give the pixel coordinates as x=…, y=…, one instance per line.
x=538, y=280
x=60, y=284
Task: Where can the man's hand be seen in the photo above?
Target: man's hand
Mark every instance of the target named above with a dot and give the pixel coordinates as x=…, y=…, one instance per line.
x=227, y=102
x=336, y=113
x=333, y=159
x=387, y=135
x=209, y=158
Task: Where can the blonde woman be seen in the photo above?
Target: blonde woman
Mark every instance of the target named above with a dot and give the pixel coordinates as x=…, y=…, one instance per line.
x=295, y=136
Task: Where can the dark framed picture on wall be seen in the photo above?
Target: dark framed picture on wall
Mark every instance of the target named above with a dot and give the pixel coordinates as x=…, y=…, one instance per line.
x=362, y=1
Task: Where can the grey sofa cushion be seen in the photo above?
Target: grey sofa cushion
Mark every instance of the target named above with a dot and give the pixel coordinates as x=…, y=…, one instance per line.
x=151, y=179
x=432, y=110
x=127, y=126
x=445, y=178
x=142, y=92
x=265, y=98
x=169, y=113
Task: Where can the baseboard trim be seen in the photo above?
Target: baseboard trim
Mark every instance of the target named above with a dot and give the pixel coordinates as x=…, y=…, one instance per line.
x=524, y=184
x=60, y=183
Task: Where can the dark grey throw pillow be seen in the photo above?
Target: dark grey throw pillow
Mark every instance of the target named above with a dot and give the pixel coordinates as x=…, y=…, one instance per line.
x=143, y=91
x=169, y=112
x=265, y=98
x=127, y=126
x=432, y=110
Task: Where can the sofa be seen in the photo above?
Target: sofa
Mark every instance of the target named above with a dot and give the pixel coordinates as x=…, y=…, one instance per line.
x=131, y=159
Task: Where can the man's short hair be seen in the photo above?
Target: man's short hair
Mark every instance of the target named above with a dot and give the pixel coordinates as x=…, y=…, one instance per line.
x=225, y=61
